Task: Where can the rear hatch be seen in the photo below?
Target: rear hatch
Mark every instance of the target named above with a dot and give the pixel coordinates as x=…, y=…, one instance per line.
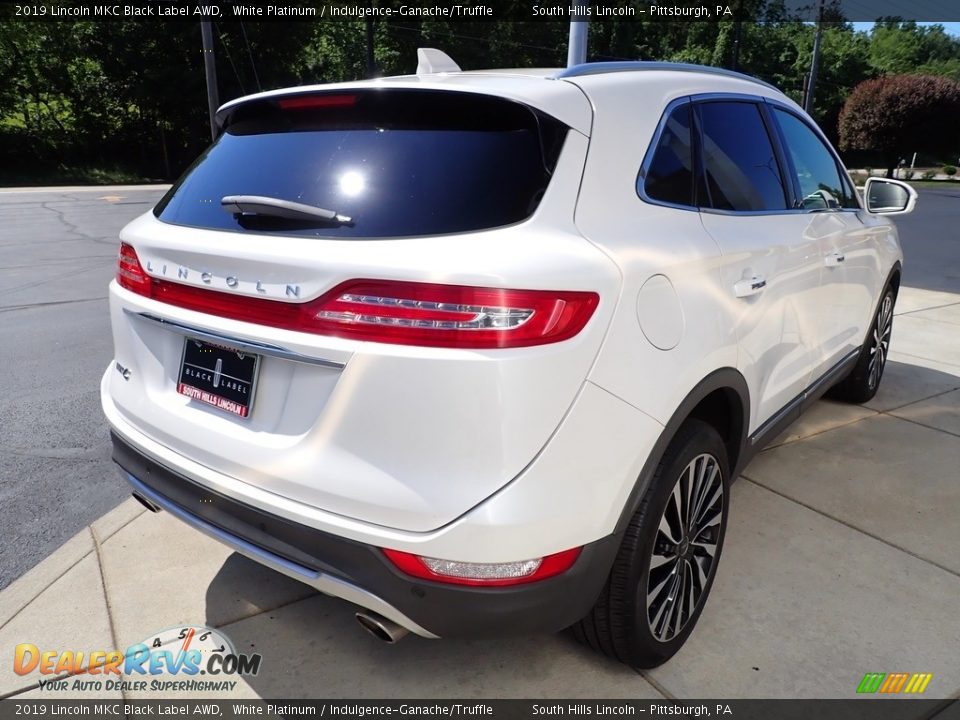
x=414, y=348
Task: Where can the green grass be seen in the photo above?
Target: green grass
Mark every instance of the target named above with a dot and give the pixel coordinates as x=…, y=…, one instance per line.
x=935, y=183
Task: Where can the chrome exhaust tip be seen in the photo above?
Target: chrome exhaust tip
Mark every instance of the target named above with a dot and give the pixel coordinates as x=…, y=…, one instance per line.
x=146, y=503
x=381, y=628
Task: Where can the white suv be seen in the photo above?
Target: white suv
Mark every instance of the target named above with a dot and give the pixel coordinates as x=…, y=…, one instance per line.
x=481, y=352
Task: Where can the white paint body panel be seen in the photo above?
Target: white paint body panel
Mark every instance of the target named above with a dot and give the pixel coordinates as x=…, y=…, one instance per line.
x=645, y=240
x=530, y=517
x=776, y=328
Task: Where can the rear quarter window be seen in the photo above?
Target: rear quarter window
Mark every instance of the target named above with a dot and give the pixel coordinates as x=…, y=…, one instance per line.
x=397, y=162
x=669, y=175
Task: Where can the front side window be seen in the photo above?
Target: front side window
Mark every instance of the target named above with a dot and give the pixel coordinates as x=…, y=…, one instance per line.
x=821, y=187
x=741, y=168
x=669, y=177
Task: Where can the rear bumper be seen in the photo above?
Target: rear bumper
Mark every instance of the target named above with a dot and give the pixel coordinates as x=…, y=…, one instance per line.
x=359, y=573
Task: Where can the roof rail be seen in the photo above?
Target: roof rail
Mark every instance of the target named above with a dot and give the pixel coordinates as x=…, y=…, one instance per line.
x=600, y=68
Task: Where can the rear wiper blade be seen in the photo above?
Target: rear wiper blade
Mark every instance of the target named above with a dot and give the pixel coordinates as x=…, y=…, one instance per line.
x=264, y=206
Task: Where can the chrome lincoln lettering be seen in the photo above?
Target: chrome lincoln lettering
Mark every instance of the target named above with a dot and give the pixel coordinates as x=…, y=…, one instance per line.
x=233, y=282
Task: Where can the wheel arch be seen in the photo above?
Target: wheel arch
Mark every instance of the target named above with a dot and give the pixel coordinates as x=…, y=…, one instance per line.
x=892, y=282
x=893, y=278
x=722, y=399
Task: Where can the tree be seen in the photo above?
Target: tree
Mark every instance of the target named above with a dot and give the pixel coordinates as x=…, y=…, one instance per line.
x=902, y=47
x=898, y=114
x=66, y=86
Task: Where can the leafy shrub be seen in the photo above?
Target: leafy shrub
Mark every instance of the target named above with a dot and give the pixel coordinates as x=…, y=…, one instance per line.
x=898, y=114
x=949, y=170
x=929, y=174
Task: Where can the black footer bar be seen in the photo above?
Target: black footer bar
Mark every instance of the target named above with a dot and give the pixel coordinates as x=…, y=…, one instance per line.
x=854, y=709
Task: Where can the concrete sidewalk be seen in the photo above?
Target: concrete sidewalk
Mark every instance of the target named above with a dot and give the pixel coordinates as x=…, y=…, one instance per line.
x=841, y=559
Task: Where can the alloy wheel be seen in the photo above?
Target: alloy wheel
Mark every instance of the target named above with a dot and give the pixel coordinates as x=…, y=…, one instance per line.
x=685, y=547
x=880, y=345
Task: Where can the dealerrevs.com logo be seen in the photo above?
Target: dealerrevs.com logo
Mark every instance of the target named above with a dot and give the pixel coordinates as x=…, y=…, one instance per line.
x=190, y=658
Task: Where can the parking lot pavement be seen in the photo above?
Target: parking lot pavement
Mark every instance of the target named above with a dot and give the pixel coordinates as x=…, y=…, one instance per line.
x=840, y=560
x=58, y=252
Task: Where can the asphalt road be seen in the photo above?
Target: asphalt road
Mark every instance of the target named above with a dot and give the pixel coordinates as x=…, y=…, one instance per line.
x=930, y=236
x=57, y=255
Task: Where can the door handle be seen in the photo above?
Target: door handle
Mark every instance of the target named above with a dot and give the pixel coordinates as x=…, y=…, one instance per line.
x=749, y=286
x=834, y=259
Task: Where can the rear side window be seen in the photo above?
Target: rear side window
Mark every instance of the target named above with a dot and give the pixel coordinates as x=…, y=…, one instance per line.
x=396, y=162
x=816, y=170
x=739, y=162
x=669, y=177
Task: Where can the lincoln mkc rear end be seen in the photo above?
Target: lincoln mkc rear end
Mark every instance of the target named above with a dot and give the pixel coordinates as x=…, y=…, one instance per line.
x=482, y=352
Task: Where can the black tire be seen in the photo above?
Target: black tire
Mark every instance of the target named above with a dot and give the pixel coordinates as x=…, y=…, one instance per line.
x=864, y=381
x=620, y=625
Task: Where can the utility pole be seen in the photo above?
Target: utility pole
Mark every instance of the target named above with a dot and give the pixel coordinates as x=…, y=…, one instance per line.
x=371, y=63
x=371, y=60
x=736, y=43
x=737, y=35
x=814, y=62
x=210, y=68
x=577, y=48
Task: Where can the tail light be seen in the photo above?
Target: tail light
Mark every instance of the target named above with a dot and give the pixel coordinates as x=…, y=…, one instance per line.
x=389, y=311
x=451, y=315
x=484, y=574
x=129, y=272
x=313, y=102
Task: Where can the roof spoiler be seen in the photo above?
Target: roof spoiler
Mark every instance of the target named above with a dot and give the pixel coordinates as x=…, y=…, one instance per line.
x=429, y=61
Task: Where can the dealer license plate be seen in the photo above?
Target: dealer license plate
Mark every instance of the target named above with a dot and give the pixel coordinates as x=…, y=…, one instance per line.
x=218, y=376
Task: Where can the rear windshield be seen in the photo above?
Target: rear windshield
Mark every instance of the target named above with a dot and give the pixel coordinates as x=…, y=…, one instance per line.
x=395, y=162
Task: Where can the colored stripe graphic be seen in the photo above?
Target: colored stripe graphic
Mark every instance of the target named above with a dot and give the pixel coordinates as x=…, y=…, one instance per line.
x=918, y=683
x=893, y=683
x=870, y=683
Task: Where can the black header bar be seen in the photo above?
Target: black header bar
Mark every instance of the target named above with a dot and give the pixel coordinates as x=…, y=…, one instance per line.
x=480, y=10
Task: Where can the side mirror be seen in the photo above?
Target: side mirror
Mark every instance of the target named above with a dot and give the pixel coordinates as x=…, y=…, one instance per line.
x=889, y=197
